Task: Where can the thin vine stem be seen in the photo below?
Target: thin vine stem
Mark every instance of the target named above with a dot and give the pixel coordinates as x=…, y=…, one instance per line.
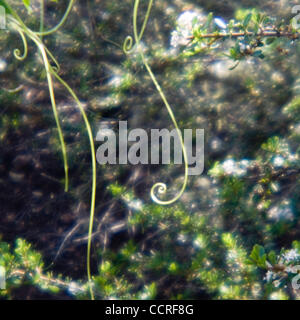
x=17, y=52
x=52, y=71
x=47, y=66
x=62, y=21
x=93, y=197
x=42, y=13
x=263, y=33
x=127, y=47
x=38, y=33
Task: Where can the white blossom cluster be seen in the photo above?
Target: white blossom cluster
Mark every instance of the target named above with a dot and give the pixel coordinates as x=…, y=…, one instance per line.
x=291, y=255
x=136, y=205
x=235, y=168
x=289, y=261
x=283, y=211
x=74, y=288
x=278, y=161
x=244, y=47
x=186, y=23
x=116, y=81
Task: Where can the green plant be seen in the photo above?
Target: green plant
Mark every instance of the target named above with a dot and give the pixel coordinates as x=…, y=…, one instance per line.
x=225, y=272
x=15, y=23
x=25, y=266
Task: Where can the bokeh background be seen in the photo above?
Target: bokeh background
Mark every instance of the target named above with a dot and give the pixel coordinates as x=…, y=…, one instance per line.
x=198, y=247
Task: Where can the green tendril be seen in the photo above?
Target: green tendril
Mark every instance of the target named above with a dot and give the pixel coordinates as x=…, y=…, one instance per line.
x=42, y=12
x=93, y=197
x=17, y=52
x=56, y=68
x=47, y=66
x=54, y=109
x=62, y=21
x=18, y=25
x=160, y=187
x=52, y=71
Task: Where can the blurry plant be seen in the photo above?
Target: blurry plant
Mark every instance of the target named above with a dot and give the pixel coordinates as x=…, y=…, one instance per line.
x=251, y=31
x=23, y=265
x=280, y=268
x=128, y=47
x=189, y=255
x=15, y=23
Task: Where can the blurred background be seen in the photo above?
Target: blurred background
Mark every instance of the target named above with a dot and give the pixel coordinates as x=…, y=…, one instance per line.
x=249, y=114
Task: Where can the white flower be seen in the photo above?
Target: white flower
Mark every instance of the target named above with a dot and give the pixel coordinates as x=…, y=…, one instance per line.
x=199, y=242
x=178, y=40
x=291, y=255
x=278, y=161
x=245, y=163
x=269, y=276
x=232, y=167
x=135, y=205
x=292, y=157
x=220, y=23
x=182, y=238
x=229, y=166
x=74, y=288
x=115, y=81
x=144, y=296
x=186, y=22
x=244, y=46
x=232, y=255
x=220, y=69
x=291, y=269
x=281, y=212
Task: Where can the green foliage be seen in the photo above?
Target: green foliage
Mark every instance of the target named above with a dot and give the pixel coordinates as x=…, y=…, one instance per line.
x=230, y=249
x=23, y=265
x=258, y=256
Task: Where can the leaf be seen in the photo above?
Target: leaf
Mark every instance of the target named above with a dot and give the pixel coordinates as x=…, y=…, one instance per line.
x=26, y=3
x=258, y=54
x=234, y=66
x=272, y=257
x=7, y=7
x=208, y=20
x=270, y=40
x=247, y=20
x=257, y=17
x=258, y=256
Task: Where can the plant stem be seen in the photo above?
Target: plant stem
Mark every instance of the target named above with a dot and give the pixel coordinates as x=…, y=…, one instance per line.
x=264, y=34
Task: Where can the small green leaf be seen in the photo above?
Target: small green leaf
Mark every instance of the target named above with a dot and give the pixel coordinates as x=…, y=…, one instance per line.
x=173, y=267
x=258, y=256
x=208, y=21
x=270, y=40
x=27, y=5
x=258, y=54
x=247, y=20
x=272, y=257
